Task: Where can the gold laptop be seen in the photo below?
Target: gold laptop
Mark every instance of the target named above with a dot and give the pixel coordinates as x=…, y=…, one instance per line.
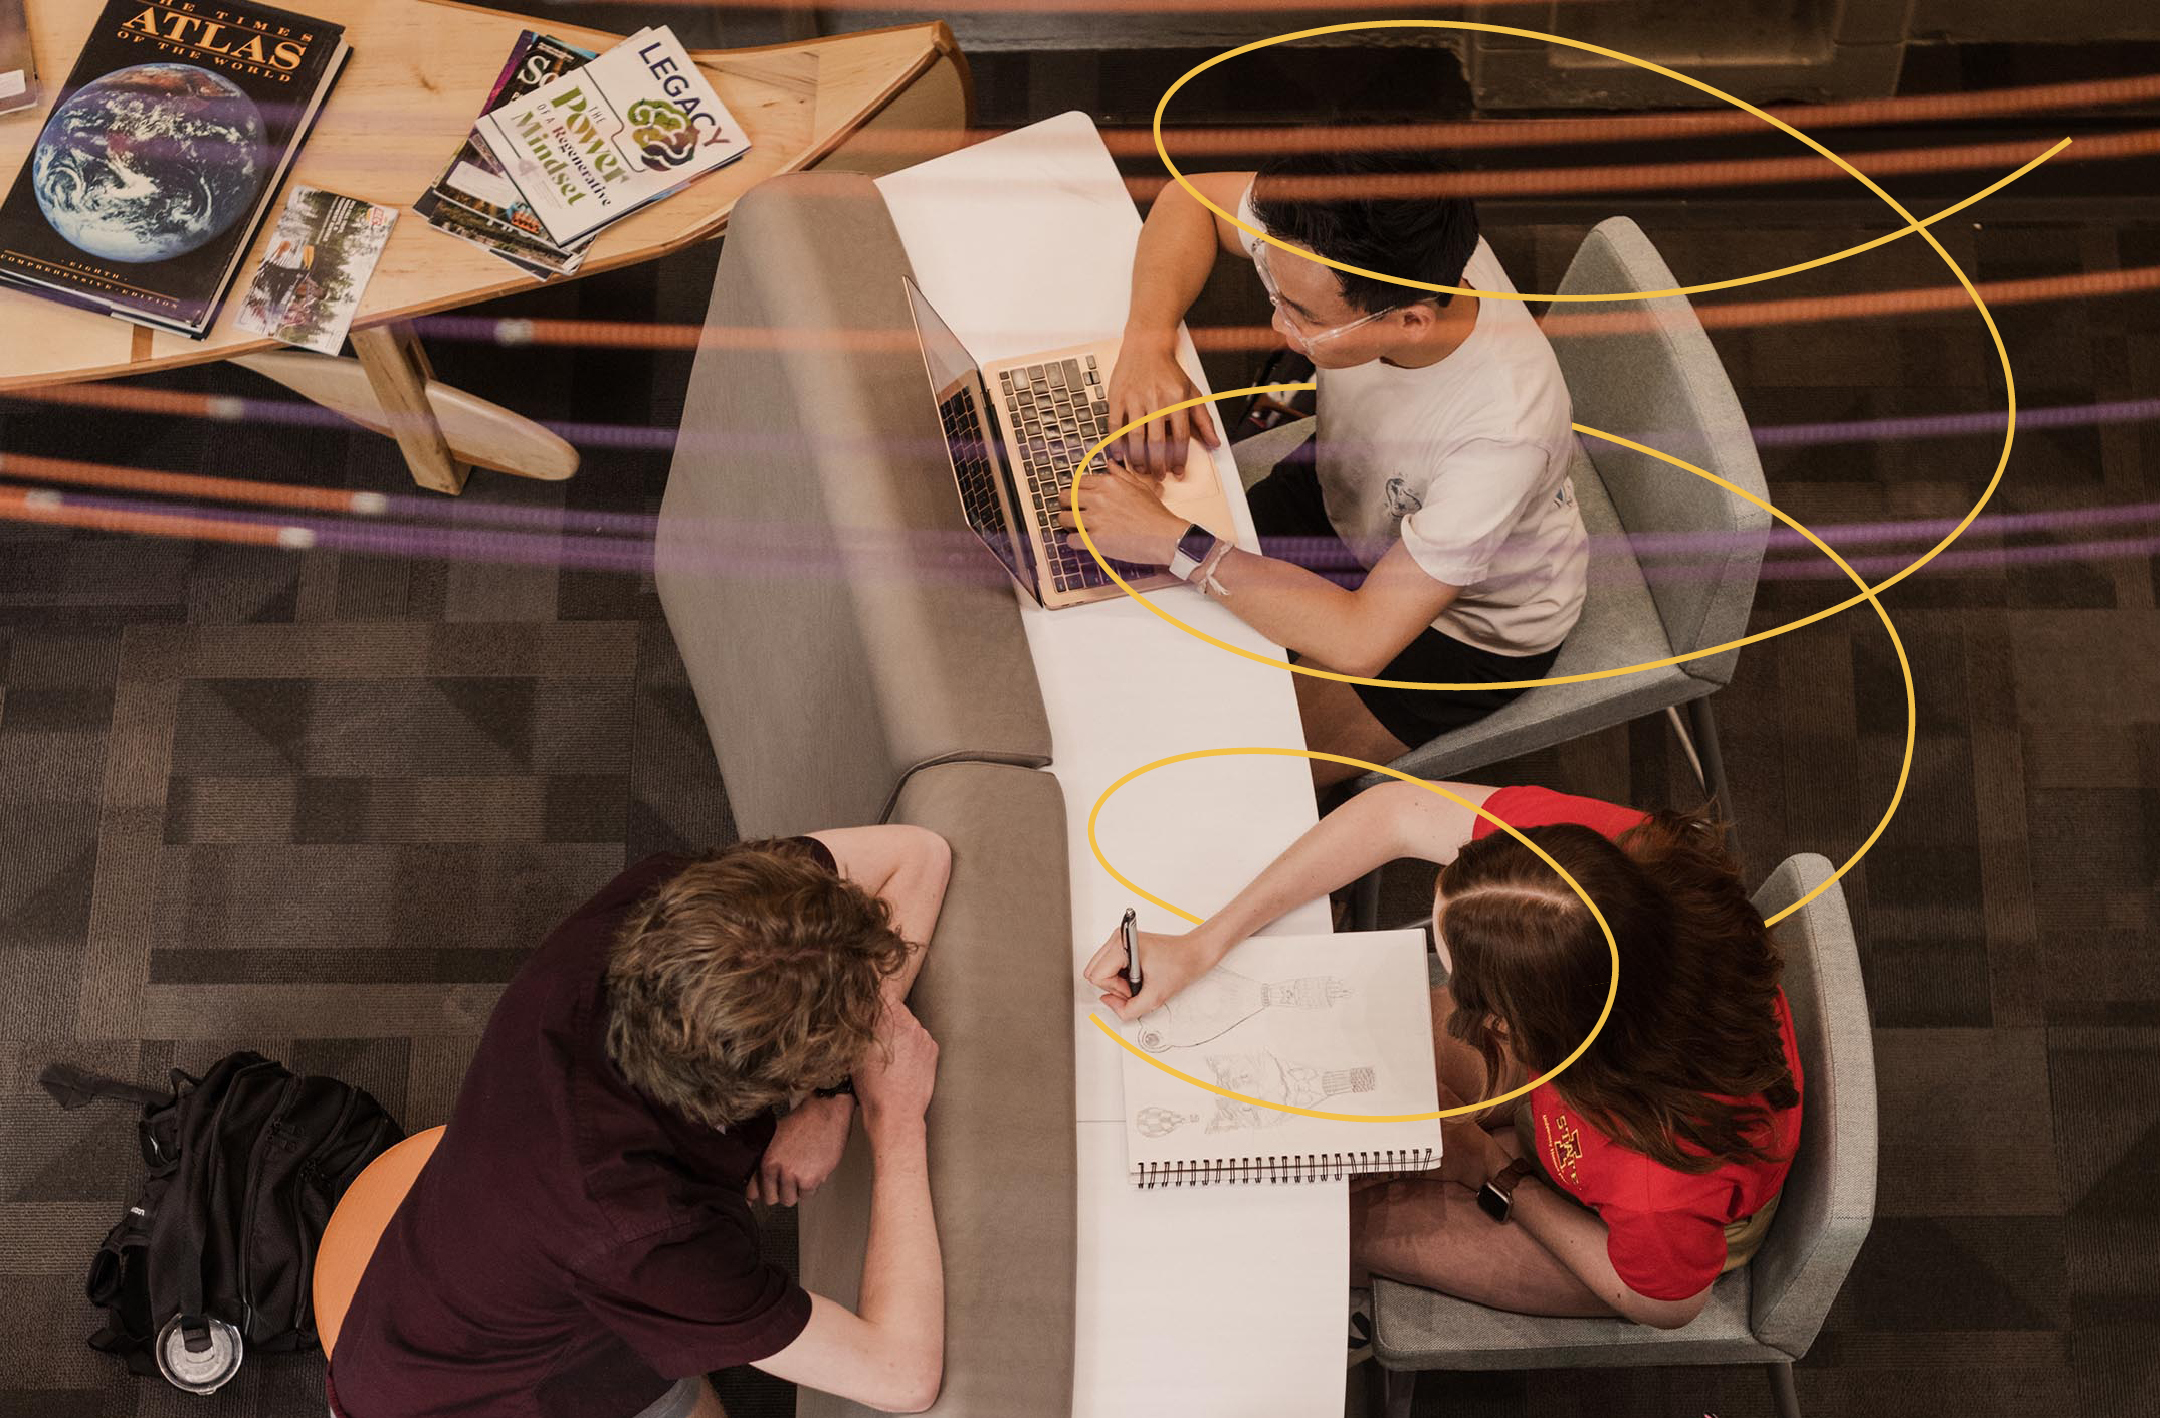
x=1015, y=431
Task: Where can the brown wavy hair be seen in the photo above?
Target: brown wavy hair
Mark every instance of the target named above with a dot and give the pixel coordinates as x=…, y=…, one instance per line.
x=1696, y=1012
x=750, y=976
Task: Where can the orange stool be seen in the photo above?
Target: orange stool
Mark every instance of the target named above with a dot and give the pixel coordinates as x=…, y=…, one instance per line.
x=357, y=1225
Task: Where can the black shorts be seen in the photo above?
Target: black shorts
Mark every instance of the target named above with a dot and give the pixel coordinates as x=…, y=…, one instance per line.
x=1290, y=514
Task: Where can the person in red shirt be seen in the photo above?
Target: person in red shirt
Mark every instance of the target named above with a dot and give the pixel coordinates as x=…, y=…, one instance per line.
x=581, y=1243
x=1629, y=1183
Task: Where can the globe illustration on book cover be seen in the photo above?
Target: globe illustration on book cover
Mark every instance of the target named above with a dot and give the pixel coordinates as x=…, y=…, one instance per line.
x=150, y=162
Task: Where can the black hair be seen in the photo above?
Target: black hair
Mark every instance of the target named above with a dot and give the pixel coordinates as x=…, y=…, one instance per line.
x=1421, y=237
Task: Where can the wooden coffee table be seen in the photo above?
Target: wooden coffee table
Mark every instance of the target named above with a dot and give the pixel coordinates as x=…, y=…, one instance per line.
x=419, y=73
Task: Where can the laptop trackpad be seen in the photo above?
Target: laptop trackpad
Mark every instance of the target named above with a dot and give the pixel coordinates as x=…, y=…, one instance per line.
x=1198, y=496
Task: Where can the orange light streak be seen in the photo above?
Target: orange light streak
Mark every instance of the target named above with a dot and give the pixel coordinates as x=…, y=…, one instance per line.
x=1805, y=310
x=615, y=334
x=28, y=468
x=20, y=506
x=1273, y=139
x=1630, y=177
x=600, y=334
x=1094, y=7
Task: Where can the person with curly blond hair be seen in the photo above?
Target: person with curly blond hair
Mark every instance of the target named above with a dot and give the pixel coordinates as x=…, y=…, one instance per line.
x=582, y=1240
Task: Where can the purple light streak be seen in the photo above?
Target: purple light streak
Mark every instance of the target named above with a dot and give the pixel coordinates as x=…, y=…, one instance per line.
x=939, y=558
x=639, y=437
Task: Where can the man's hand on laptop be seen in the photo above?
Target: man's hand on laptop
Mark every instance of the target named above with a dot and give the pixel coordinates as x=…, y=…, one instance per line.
x=1125, y=515
x=1146, y=378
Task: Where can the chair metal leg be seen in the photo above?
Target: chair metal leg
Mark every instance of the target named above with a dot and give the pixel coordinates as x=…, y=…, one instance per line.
x=1782, y=1390
x=1398, y=1389
x=1702, y=727
x=1364, y=913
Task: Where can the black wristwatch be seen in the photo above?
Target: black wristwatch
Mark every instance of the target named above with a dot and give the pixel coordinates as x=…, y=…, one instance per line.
x=1497, y=1197
x=844, y=1088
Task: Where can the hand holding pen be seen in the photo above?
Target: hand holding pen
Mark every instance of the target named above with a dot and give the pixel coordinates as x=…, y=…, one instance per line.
x=1134, y=981
x=1139, y=971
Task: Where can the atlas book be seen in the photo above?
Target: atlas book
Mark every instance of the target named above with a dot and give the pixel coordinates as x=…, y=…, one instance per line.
x=1317, y=1056
x=321, y=253
x=18, y=67
x=476, y=201
x=167, y=144
x=594, y=144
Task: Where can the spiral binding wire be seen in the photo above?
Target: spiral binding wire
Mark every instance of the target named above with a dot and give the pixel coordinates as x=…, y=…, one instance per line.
x=1270, y=1170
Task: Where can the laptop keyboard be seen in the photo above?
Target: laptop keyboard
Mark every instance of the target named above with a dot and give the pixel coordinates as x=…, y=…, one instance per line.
x=971, y=459
x=1059, y=409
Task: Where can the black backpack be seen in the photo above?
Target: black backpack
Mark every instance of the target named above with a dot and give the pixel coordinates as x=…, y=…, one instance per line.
x=246, y=1163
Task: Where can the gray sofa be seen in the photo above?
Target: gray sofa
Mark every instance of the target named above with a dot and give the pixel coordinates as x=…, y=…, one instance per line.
x=847, y=675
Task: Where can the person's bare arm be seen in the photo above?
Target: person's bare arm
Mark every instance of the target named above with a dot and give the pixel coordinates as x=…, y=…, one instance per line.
x=908, y=868
x=1353, y=632
x=1374, y=828
x=890, y=1351
x=1576, y=1237
x=1178, y=245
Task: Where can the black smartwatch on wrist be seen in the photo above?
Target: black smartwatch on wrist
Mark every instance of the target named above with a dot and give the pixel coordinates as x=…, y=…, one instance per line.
x=845, y=1088
x=1497, y=1197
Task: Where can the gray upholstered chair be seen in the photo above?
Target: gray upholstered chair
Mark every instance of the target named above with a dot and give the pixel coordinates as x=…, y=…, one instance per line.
x=1658, y=381
x=1765, y=1312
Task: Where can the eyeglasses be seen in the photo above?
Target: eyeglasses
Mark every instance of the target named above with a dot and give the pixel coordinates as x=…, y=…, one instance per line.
x=1298, y=337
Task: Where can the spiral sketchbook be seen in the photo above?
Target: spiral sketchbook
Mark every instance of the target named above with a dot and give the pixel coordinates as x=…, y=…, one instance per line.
x=1333, y=1024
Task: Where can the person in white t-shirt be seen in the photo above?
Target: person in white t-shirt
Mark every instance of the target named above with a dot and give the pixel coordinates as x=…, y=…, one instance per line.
x=1428, y=532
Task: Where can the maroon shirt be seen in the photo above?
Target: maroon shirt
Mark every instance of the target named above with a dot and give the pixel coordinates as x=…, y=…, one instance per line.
x=572, y=1247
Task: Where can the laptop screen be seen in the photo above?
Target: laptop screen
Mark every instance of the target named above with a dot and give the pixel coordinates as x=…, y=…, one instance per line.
x=976, y=443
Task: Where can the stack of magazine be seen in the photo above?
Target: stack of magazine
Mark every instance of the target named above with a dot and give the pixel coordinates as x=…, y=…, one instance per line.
x=570, y=142
x=168, y=142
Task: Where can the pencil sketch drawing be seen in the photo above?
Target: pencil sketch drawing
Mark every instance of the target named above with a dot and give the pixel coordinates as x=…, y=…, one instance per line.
x=1262, y=1075
x=1161, y=1122
x=1222, y=999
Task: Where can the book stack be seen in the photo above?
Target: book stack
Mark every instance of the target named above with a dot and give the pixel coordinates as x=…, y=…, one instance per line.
x=476, y=200
x=167, y=143
x=570, y=143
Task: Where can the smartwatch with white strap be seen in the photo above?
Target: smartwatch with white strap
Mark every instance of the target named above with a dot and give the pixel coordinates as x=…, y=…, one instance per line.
x=1192, y=549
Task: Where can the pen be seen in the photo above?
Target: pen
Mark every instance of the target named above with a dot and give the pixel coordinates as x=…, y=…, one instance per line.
x=1132, y=953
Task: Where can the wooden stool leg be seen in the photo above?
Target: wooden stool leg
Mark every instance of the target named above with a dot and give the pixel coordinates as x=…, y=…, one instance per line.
x=480, y=433
x=398, y=371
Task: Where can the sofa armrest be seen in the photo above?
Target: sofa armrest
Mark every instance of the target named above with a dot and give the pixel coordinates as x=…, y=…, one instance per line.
x=839, y=623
